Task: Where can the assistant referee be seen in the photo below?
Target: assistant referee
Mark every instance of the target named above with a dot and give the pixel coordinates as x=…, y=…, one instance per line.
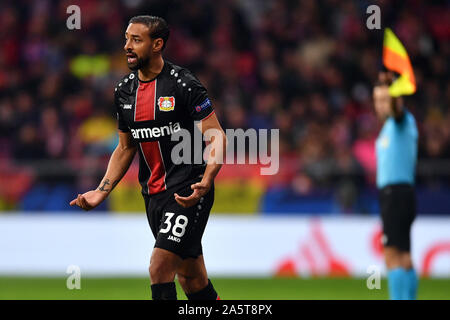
x=396, y=152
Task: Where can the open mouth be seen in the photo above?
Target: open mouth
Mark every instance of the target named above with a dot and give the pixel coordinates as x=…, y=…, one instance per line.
x=131, y=58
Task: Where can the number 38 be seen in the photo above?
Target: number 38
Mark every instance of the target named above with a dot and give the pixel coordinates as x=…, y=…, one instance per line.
x=179, y=228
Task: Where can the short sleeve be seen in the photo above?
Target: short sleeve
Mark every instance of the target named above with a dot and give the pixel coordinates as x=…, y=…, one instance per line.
x=195, y=97
x=122, y=126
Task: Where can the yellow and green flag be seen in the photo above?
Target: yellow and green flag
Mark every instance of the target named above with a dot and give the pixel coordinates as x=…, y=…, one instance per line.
x=395, y=58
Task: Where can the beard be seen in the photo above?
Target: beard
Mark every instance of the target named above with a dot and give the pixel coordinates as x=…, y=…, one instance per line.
x=139, y=63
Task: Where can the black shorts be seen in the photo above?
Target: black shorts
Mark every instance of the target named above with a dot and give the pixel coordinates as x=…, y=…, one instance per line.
x=398, y=211
x=177, y=229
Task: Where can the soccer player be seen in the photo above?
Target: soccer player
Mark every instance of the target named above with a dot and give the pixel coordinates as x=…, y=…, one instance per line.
x=155, y=101
x=396, y=151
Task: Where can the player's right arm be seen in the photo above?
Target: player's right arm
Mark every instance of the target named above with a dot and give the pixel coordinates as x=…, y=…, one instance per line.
x=118, y=165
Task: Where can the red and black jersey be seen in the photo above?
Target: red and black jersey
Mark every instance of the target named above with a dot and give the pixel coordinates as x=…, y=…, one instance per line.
x=153, y=111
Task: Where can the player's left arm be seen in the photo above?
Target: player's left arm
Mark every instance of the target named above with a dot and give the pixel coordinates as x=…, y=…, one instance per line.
x=212, y=130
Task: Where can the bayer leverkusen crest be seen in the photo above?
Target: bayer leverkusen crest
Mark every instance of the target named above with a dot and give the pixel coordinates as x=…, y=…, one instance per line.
x=166, y=103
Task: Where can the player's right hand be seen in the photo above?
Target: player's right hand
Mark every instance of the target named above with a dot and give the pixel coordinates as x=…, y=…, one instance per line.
x=89, y=200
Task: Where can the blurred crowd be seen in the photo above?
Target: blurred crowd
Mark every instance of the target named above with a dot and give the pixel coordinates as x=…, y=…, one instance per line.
x=305, y=67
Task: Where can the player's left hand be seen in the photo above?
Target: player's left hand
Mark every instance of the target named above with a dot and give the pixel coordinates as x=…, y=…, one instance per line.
x=200, y=189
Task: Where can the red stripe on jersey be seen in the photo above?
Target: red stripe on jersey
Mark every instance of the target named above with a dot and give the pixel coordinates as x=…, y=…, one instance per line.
x=145, y=101
x=152, y=155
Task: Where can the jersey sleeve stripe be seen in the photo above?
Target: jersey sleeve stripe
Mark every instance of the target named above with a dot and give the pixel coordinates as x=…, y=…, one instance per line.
x=209, y=115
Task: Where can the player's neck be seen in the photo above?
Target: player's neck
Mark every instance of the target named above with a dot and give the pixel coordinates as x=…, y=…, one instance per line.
x=152, y=70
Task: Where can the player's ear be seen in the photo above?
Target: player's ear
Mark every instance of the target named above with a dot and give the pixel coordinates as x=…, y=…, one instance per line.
x=158, y=44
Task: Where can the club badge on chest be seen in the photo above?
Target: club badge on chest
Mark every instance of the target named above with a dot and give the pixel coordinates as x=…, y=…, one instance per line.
x=166, y=103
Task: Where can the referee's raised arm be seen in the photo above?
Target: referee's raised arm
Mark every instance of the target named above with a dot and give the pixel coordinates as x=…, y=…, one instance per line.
x=395, y=104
